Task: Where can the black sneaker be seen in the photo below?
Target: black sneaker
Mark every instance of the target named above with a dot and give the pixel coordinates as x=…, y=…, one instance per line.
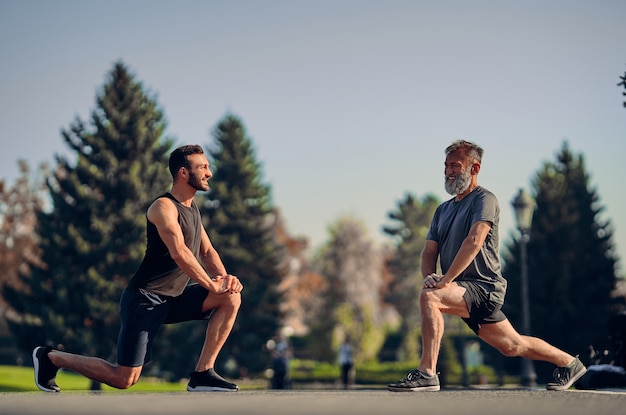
x=416, y=381
x=45, y=370
x=564, y=377
x=209, y=381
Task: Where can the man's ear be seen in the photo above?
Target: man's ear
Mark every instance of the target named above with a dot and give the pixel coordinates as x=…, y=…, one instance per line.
x=475, y=168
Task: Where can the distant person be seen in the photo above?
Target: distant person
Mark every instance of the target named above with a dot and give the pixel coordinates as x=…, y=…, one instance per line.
x=281, y=358
x=346, y=361
x=464, y=237
x=178, y=250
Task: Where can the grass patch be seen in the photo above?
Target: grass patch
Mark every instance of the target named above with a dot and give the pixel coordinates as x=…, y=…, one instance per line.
x=21, y=379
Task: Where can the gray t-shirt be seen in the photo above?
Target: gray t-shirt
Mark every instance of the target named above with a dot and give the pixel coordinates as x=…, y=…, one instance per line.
x=450, y=226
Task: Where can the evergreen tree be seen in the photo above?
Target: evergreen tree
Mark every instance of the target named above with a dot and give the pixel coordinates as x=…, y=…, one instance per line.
x=571, y=262
x=93, y=237
x=241, y=223
x=623, y=84
x=409, y=228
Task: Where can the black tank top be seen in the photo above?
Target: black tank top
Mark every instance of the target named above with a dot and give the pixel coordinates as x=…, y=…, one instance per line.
x=158, y=273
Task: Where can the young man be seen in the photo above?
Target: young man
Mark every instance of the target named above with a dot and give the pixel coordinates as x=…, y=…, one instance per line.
x=464, y=236
x=178, y=250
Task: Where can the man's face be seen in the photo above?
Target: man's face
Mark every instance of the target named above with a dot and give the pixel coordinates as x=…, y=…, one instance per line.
x=200, y=173
x=458, y=176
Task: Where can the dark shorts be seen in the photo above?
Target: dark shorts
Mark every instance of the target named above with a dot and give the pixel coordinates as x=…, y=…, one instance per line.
x=142, y=314
x=482, y=308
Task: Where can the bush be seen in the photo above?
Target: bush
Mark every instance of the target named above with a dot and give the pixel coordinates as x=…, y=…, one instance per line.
x=309, y=371
x=313, y=371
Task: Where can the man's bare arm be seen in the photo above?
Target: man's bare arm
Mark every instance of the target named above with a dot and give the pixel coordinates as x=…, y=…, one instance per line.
x=164, y=215
x=469, y=249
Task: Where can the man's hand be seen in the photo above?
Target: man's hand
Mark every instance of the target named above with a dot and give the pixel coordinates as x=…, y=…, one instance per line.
x=434, y=281
x=228, y=283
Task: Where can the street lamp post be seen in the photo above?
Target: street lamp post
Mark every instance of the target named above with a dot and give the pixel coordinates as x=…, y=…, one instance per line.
x=524, y=206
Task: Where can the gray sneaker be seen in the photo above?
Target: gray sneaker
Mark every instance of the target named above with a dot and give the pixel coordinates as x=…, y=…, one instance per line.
x=416, y=381
x=564, y=377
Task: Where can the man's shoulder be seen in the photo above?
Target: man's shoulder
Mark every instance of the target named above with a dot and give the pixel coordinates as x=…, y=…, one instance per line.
x=483, y=190
x=165, y=197
x=484, y=194
x=163, y=205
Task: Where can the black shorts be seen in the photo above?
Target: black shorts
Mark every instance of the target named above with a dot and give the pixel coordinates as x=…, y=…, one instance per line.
x=142, y=313
x=482, y=308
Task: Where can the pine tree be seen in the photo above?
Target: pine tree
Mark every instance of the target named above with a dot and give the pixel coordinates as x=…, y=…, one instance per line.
x=623, y=84
x=571, y=262
x=93, y=237
x=409, y=228
x=241, y=220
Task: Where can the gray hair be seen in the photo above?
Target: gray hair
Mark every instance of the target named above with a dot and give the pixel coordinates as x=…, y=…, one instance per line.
x=473, y=150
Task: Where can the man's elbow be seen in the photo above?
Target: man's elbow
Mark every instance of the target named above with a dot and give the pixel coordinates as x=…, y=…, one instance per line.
x=178, y=257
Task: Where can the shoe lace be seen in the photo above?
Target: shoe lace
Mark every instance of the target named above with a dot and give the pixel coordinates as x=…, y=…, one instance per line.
x=412, y=376
x=560, y=374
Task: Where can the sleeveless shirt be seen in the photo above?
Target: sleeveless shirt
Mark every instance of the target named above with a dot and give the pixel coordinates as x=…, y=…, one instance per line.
x=158, y=273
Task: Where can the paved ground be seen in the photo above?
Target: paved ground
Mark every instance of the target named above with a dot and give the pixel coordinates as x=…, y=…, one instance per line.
x=315, y=402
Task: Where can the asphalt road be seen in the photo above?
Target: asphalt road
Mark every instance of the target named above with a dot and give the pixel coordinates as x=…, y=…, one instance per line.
x=315, y=402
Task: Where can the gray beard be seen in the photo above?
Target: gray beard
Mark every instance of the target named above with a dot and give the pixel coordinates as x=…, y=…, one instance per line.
x=460, y=184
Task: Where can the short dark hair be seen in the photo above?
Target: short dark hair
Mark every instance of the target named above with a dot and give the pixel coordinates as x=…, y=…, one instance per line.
x=179, y=157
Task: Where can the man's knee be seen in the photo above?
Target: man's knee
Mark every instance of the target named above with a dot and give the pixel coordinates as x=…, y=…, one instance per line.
x=126, y=377
x=425, y=295
x=230, y=301
x=124, y=383
x=508, y=348
x=428, y=297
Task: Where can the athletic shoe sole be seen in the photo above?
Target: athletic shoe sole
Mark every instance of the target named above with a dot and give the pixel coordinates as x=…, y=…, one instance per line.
x=210, y=389
x=416, y=389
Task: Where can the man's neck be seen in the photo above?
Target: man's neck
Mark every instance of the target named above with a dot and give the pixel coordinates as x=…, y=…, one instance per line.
x=469, y=190
x=183, y=195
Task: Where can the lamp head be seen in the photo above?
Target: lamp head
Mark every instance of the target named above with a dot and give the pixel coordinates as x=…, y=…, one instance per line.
x=524, y=206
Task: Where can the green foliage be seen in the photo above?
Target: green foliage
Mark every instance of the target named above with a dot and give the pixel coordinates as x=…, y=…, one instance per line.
x=623, y=83
x=383, y=373
x=358, y=321
x=19, y=206
x=571, y=263
x=313, y=371
x=409, y=227
x=366, y=373
x=352, y=265
x=380, y=374
x=93, y=237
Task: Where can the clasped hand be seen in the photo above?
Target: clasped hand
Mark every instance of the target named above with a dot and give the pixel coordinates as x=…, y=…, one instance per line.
x=433, y=281
x=228, y=283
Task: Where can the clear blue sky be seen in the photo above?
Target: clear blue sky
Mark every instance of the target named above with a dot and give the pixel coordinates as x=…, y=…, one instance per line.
x=349, y=103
